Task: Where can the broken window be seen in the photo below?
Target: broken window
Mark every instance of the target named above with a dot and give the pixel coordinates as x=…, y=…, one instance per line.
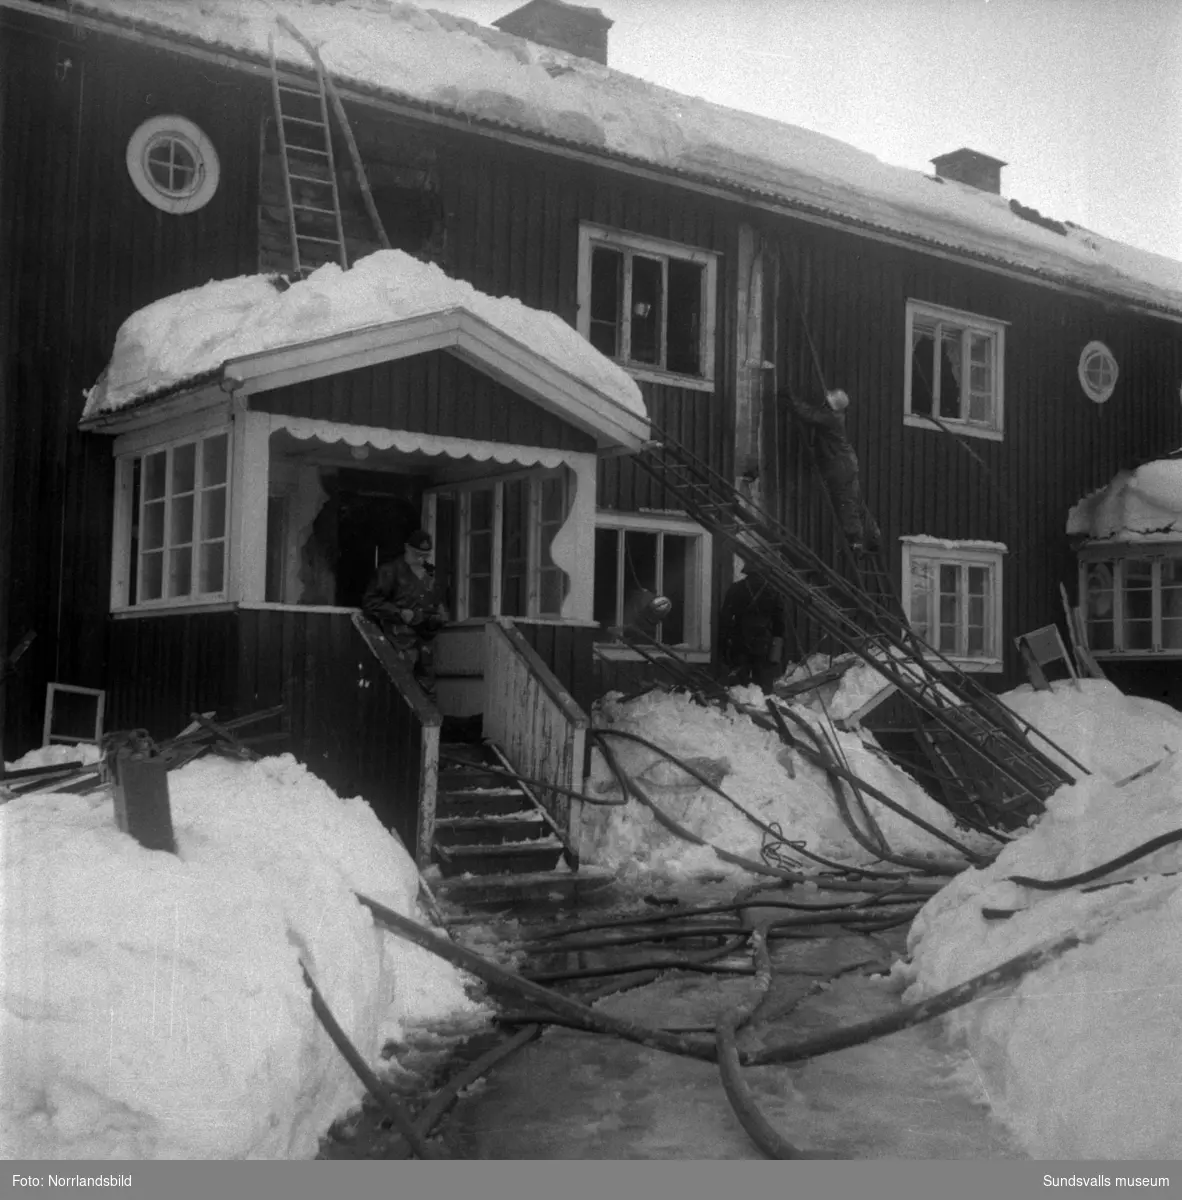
x=648, y=304
x=1132, y=604
x=634, y=564
x=954, y=368
x=954, y=597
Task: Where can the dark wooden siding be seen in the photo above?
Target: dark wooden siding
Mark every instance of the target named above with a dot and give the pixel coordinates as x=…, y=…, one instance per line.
x=434, y=393
x=83, y=250
x=1058, y=444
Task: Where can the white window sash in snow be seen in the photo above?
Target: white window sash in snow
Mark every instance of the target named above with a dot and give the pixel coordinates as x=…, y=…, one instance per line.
x=954, y=370
x=504, y=532
x=953, y=600
x=664, y=555
x=1132, y=601
x=649, y=305
x=172, y=523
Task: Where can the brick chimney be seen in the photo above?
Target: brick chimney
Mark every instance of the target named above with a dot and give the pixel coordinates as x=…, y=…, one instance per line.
x=972, y=167
x=569, y=27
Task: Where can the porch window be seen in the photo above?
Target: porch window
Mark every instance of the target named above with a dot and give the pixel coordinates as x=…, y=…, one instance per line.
x=954, y=369
x=1132, y=601
x=952, y=591
x=504, y=532
x=649, y=305
x=637, y=557
x=175, y=503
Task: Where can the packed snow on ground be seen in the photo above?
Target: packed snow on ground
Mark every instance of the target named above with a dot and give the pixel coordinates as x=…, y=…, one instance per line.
x=186, y=335
x=1144, y=504
x=754, y=767
x=153, y=1005
x=55, y=754
x=1082, y=1058
x=461, y=67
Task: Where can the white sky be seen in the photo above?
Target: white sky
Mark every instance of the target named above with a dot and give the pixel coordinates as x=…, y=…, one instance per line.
x=1082, y=98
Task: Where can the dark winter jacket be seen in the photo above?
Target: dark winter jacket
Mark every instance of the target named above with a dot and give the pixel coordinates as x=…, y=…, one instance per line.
x=836, y=459
x=396, y=587
x=752, y=616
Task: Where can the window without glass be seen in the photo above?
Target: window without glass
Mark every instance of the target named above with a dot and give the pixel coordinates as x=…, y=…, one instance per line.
x=953, y=598
x=954, y=368
x=648, y=304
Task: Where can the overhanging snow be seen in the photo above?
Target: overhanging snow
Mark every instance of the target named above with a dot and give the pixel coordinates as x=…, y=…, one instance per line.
x=1140, y=505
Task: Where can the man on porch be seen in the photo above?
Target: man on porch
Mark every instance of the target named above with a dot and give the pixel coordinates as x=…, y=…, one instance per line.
x=405, y=600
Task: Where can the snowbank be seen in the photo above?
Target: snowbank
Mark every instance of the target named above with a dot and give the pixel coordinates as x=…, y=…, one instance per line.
x=56, y=753
x=186, y=335
x=1140, y=505
x=153, y=1005
x=459, y=67
x=1083, y=1058
x=753, y=767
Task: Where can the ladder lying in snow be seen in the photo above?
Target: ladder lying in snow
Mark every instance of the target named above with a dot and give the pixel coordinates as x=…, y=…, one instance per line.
x=985, y=748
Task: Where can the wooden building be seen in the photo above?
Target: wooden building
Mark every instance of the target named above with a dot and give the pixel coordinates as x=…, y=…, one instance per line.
x=1001, y=365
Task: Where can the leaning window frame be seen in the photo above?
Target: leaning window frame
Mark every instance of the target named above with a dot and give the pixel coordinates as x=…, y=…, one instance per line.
x=968, y=323
x=123, y=564
x=590, y=236
x=1117, y=554
x=463, y=493
x=962, y=553
x=702, y=614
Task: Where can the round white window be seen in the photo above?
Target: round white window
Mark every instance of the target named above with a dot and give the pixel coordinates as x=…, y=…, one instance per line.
x=173, y=164
x=1097, y=371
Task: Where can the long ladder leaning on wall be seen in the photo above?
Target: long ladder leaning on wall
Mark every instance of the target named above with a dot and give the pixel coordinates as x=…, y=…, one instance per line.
x=315, y=222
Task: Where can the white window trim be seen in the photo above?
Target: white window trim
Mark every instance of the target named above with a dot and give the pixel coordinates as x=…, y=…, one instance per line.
x=206, y=157
x=591, y=235
x=138, y=445
x=971, y=322
x=702, y=595
x=1097, y=395
x=1117, y=553
x=972, y=553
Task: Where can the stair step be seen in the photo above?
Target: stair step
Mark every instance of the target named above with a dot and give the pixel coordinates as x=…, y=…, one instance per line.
x=503, y=858
x=462, y=779
x=483, y=803
x=489, y=831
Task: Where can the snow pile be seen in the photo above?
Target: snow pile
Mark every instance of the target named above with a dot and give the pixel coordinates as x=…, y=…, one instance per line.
x=55, y=754
x=189, y=334
x=1083, y=1058
x=754, y=767
x=153, y=1005
x=457, y=66
x=1140, y=505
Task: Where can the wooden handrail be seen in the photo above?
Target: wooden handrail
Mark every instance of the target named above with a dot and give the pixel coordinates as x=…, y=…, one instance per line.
x=399, y=671
x=549, y=682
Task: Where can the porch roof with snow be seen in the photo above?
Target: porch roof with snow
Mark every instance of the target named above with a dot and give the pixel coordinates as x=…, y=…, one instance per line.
x=1136, y=506
x=397, y=56
x=253, y=334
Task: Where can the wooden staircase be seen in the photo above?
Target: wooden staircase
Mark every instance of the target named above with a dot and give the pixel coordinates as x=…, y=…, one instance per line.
x=486, y=823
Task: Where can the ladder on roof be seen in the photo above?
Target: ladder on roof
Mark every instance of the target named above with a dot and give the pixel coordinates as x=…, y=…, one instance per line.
x=309, y=172
x=986, y=749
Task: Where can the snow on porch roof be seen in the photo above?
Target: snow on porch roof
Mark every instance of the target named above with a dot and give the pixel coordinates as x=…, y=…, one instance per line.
x=1141, y=505
x=255, y=336
x=451, y=66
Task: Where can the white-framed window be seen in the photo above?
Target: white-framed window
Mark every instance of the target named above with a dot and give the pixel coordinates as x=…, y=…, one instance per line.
x=503, y=531
x=1131, y=598
x=173, y=164
x=649, y=304
x=952, y=595
x=1097, y=371
x=638, y=555
x=172, y=523
x=954, y=370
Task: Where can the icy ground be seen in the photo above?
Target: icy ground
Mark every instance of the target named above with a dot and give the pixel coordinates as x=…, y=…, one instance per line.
x=190, y=333
x=1083, y=1058
x=152, y=1006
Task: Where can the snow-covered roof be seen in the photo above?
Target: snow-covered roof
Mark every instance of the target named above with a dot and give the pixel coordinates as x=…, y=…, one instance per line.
x=192, y=336
x=1142, y=505
x=455, y=67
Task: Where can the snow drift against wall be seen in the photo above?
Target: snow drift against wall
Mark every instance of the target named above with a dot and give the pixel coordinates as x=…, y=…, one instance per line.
x=187, y=335
x=152, y=1005
x=1140, y=505
x=461, y=68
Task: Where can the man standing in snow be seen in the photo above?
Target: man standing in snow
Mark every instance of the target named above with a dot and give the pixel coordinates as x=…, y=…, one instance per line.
x=838, y=465
x=751, y=631
x=405, y=601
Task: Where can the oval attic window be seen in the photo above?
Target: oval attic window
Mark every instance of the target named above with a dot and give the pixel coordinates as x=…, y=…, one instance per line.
x=1097, y=371
x=173, y=164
